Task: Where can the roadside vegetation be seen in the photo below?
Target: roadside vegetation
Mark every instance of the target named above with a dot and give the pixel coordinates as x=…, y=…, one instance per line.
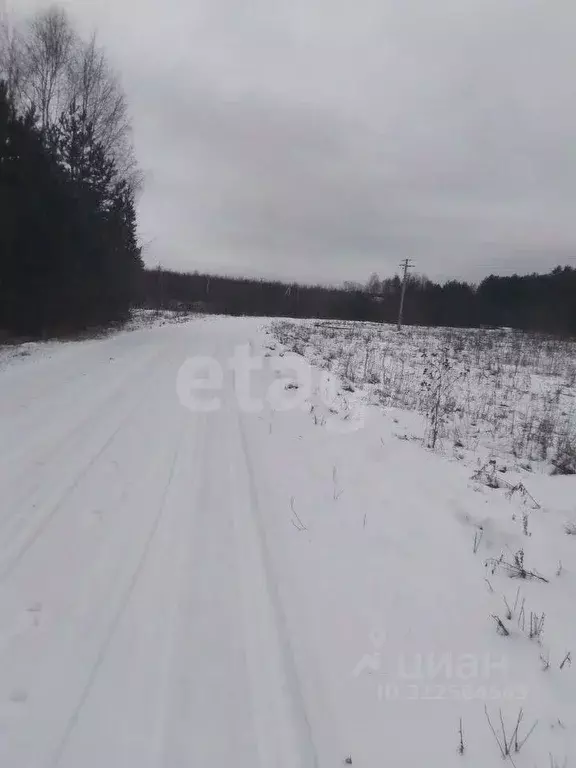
x=483, y=393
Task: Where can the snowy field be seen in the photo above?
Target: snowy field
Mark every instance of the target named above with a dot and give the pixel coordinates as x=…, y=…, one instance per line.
x=502, y=393
x=213, y=555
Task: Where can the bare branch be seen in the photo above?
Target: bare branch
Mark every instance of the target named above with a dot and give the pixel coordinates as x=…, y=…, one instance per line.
x=12, y=61
x=48, y=47
x=95, y=89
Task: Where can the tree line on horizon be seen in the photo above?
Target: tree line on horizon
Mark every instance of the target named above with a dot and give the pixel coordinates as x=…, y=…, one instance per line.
x=69, y=256
x=534, y=302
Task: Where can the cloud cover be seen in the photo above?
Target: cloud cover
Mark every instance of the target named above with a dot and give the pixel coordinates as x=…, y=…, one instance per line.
x=324, y=140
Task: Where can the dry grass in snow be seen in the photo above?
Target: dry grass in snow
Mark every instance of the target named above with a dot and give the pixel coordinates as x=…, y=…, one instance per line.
x=483, y=393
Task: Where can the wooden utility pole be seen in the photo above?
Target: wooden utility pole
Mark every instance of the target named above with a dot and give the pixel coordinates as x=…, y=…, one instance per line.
x=406, y=265
x=160, y=288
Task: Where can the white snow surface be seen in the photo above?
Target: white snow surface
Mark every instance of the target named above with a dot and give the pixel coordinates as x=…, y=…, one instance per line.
x=274, y=587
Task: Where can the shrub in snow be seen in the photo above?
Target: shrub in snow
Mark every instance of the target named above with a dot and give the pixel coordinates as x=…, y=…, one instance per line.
x=564, y=461
x=515, y=569
x=509, y=743
x=439, y=377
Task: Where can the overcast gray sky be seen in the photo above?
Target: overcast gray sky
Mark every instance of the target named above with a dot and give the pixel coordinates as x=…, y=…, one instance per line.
x=327, y=139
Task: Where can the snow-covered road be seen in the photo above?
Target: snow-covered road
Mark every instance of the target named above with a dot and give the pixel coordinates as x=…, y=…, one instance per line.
x=234, y=587
x=140, y=621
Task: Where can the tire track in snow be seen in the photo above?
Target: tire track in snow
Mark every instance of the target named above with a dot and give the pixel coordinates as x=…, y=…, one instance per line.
x=50, y=454
x=117, y=617
x=8, y=562
x=306, y=748
x=168, y=662
x=206, y=677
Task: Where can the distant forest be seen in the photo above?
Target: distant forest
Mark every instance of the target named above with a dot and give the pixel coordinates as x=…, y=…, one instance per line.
x=69, y=253
x=545, y=303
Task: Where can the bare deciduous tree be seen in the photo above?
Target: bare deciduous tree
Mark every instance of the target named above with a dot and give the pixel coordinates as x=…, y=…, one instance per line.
x=94, y=87
x=11, y=60
x=47, y=49
x=49, y=67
